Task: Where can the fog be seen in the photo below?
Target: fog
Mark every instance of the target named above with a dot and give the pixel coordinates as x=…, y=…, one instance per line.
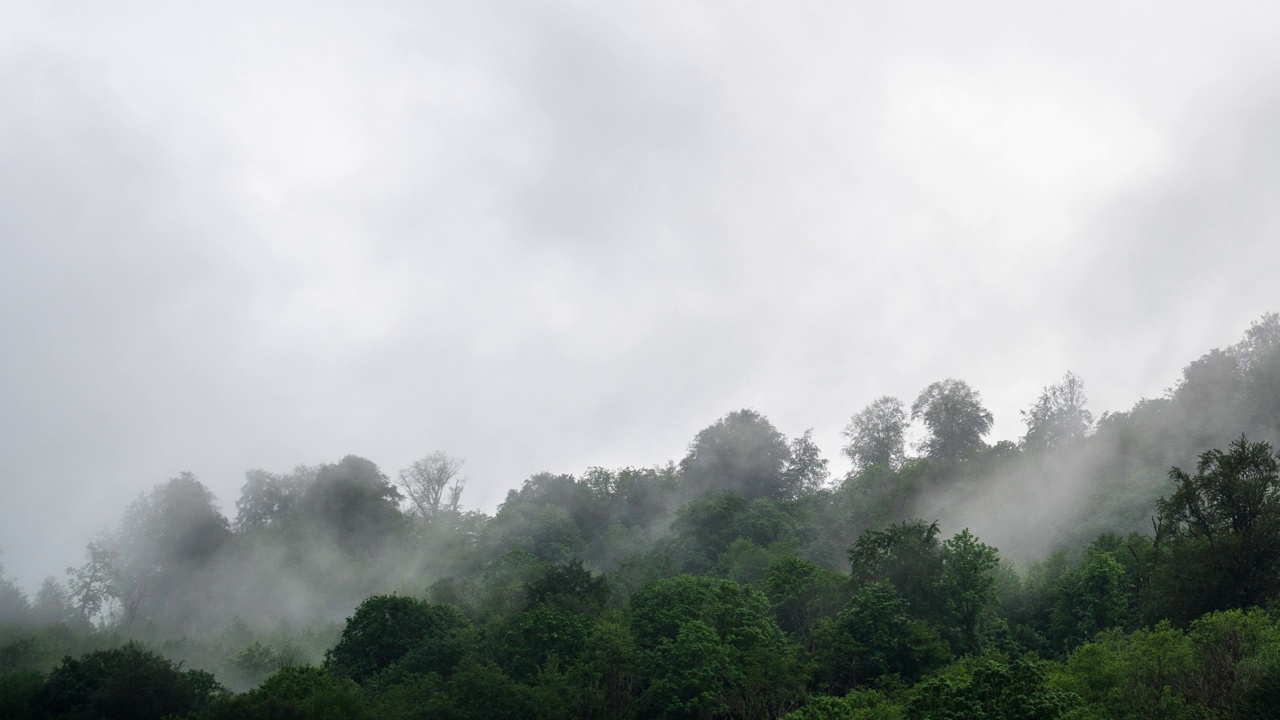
x=551, y=236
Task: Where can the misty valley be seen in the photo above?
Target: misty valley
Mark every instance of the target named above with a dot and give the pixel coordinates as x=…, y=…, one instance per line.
x=1125, y=565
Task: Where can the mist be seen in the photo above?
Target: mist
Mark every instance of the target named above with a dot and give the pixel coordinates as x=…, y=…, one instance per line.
x=277, y=587
x=563, y=236
x=631, y=275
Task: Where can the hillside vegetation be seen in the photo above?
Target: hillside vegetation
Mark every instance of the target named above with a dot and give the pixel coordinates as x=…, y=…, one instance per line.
x=1120, y=566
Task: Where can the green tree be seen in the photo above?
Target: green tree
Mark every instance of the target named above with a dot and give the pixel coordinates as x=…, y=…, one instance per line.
x=741, y=452
x=908, y=556
x=877, y=434
x=1234, y=650
x=52, y=604
x=953, y=414
x=1223, y=665
x=527, y=642
x=855, y=705
x=166, y=543
x=129, y=682
x=570, y=586
x=1138, y=675
x=176, y=526
x=1259, y=361
x=742, y=562
x=1218, y=535
x=967, y=588
x=353, y=501
x=1092, y=597
x=875, y=635
x=801, y=593
x=1059, y=418
x=497, y=588
x=17, y=692
x=255, y=663
x=547, y=531
x=389, y=629
x=992, y=688
x=646, y=495
x=609, y=661
x=691, y=674
x=267, y=499
x=480, y=692
x=710, y=646
x=303, y=692
x=1208, y=398
x=806, y=470
x=950, y=584
x=14, y=608
x=705, y=527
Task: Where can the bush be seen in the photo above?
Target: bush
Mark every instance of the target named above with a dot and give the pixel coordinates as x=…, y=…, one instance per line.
x=17, y=690
x=297, y=693
x=129, y=682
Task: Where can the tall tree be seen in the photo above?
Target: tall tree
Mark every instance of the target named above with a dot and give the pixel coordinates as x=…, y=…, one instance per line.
x=802, y=593
x=387, y=629
x=353, y=501
x=1059, y=418
x=948, y=583
x=434, y=483
x=267, y=499
x=877, y=434
x=128, y=682
x=873, y=635
x=806, y=469
x=955, y=418
x=908, y=556
x=167, y=539
x=52, y=604
x=1259, y=355
x=711, y=648
x=14, y=608
x=968, y=588
x=742, y=452
x=93, y=586
x=1218, y=534
x=1261, y=343
x=176, y=525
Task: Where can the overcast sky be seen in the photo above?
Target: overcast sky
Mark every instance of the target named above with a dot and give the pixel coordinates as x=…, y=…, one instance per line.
x=550, y=235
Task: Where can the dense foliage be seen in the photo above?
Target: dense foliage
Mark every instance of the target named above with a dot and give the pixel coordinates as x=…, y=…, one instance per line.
x=1128, y=568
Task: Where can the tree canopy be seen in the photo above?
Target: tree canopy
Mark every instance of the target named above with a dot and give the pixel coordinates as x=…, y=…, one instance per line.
x=1218, y=534
x=954, y=417
x=739, y=583
x=434, y=483
x=1059, y=418
x=742, y=452
x=877, y=434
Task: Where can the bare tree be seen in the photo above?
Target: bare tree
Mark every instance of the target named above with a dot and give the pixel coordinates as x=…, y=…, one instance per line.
x=94, y=584
x=434, y=484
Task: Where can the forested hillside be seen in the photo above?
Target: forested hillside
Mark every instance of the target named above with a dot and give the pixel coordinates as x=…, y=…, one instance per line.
x=1119, y=566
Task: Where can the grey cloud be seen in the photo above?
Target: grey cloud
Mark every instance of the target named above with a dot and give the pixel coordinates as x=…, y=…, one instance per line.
x=101, y=287
x=1195, y=245
x=545, y=236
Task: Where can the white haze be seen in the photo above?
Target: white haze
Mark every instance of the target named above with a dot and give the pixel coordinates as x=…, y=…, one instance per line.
x=543, y=236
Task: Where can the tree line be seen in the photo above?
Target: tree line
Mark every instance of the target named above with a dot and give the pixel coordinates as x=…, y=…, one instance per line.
x=740, y=581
